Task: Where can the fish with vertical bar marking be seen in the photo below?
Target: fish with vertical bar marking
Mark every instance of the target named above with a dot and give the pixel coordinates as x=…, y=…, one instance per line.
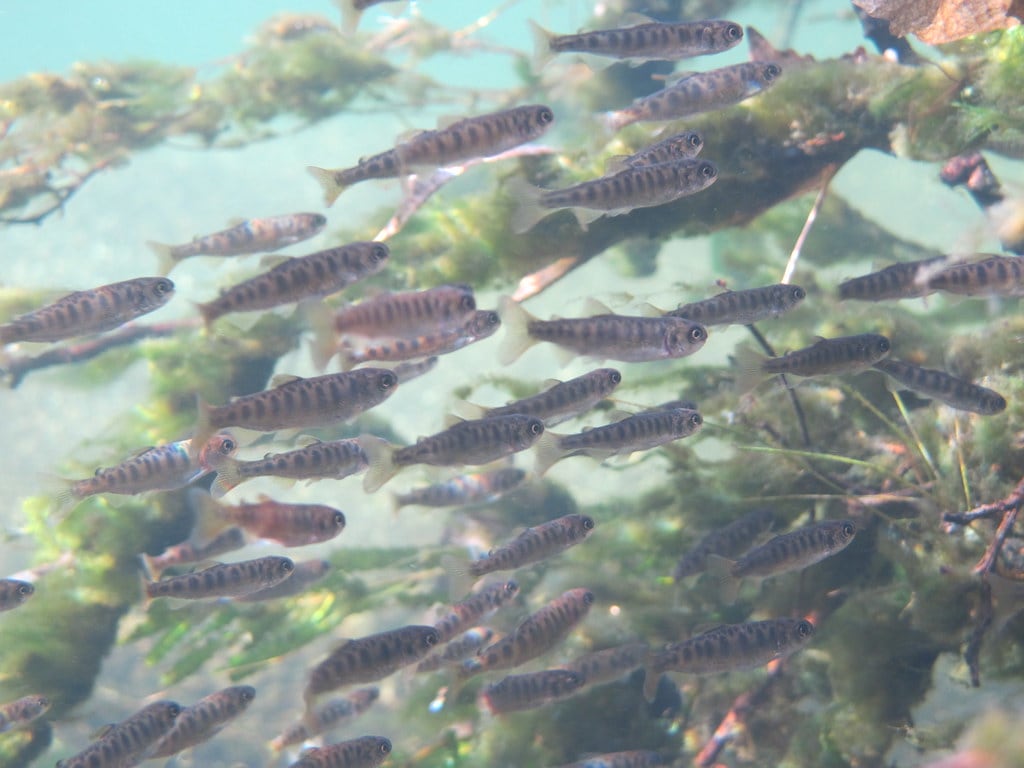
x=457, y=649
x=474, y=608
x=194, y=551
x=291, y=525
x=679, y=146
x=610, y=664
x=203, y=720
x=364, y=752
x=899, y=281
x=631, y=759
x=939, y=385
x=305, y=574
x=129, y=741
x=330, y=715
x=744, y=307
x=844, y=354
x=994, y=276
x=464, y=490
x=223, y=580
x=534, y=689
x=725, y=542
x=21, y=712
x=560, y=401
x=14, y=592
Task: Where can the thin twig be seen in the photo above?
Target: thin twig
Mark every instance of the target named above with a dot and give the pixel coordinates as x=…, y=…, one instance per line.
x=983, y=620
x=792, y=392
x=794, y=255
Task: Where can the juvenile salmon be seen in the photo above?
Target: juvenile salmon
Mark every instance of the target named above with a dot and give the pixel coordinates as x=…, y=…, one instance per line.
x=899, y=281
x=331, y=714
x=464, y=490
x=744, y=307
x=203, y=720
x=845, y=354
x=939, y=385
x=725, y=542
x=560, y=401
x=333, y=459
x=534, y=689
x=223, y=580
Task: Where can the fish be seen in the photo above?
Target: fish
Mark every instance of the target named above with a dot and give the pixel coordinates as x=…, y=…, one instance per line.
x=534, y=689
x=203, y=720
x=610, y=664
x=464, y=490
x=93, y=311
x=330, y=715
x=302, y=577
x=475, y=442
x=295, y=402
x=631, y=339
x=559, y=401
x=290, y=525
x=728, y=648
x=477, y=606
x=457, y=649
x=128, y=742
x=630, y=759
x=14, y=592
x=994, y=276
x=731, y=540
x=898, y=281
x=371, y=658
x=414, y=369
x=844, y=354
x=164, y=468
x=531, y=546
x=699, y=92
x=21, y=712
x=262, y=235
x=537, y=634
x=642, y=186
x=407, y=313
x=639, y=432
x=653, y=41
x=678, y=146
x=319, y=460
x=464, y=139
x=481, y=325
x=938, y=385
x=300, y=278
x=363, y=752
x=744, y=307
x=223, y=580
x=787, y=552
x=194, y=551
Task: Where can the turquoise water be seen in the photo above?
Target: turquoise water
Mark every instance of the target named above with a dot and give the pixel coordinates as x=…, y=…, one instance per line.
x=178, y=190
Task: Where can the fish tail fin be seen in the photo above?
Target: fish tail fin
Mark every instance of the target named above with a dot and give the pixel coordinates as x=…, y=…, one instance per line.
x=380, y=456
x=547, y=451
x=749, y=368
x=468, y=411
x=347, y=358
x=720, y=569
x=350, y=15
x=209, y=520
x=65, y=500
x=150, y=567
x=651, y=680
x=516, y=322
x=324, y=344
x=328, y=182
x=209, y=312
x=165, y=259
x=542, y=52
x=229, y=475
x=460, y=580
x=395, y=503
x=528, y=210
x=615, y=121
x=145, y=583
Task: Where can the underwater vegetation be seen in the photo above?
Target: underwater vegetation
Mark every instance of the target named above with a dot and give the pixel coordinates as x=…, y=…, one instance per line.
x=897, y=643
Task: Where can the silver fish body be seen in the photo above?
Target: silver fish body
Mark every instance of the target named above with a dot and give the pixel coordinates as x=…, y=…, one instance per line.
x=955, y=392
x=654, y=41
x=744, y=307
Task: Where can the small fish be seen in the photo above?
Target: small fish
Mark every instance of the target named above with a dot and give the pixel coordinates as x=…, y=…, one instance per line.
x=899, y=281
x=475, y=442
x=457, y=649
x=293, y=26
x=480, y=325
x=616, y=337
x=14, y=592
x=679, y=146
x=19, y=713
x=319, y=460
x=464, y=490
x=294, y=402
x=407, y=313
x=301, y=278
x=93, y=311
x=415, y=369
x=631, y=759
x=474, y=608
x=194, y=551
x=165, y=468
x=290, y=525
x=744, y=307
x=559, y=401
x=699, y=92
x=845, y=354
x=610, y=664
x=250, y=236
x=203, y=720
x=640, y=432
x=304, y=575
x=531, y=546
x=330, y=715
x=364, y=752
x=223, y=580
x=642, y=186
x=129, y=741
x=994, y=276
x=725, y=542
x=654, y=41
x=787, y=552
x=534, y=689
x=728, y=648
x=939, y=385
x=471, y=137
x=371, y=658
x=537, y=634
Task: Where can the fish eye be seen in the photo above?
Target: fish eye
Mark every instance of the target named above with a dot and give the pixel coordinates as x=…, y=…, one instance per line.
x=697, y=333
x=25, y=589
x=319, y=220
x=694, y=140
x=380, y=252
x=545, y=116
x=384, y=747
x=733, y=32
x=512, y=587
x=588, y=523
x=771, y=71
x=339, y=519
x=884, y=345
x=615, y=377
x=248, y=693
x=174, y=709
x=708, y=171
x=431, y=638
x=849, y=529
x=387, y=380
x=227, y=445
x=804, y=629
x=163, y=286
x=696, y=419
x=287, y=565
x=588, y=598
x=798, y=293
x=536, y=427
x=467, y=302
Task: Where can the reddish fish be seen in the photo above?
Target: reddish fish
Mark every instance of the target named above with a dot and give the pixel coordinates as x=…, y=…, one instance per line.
x=291, y=525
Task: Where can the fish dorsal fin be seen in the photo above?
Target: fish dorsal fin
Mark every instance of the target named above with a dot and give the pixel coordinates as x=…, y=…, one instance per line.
x=447, y=121
x=280, y=379
x=306, y=440
x=633, y=19
x=263, y=498
x=616, y=163
x=406, y=136
x=617, y=415
x=649, y=310
x=593, y=307
x=549, y=384
x=450, y=420
x=139, y=452
x=236, y=221
x=102, y=731
x=272, y=260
